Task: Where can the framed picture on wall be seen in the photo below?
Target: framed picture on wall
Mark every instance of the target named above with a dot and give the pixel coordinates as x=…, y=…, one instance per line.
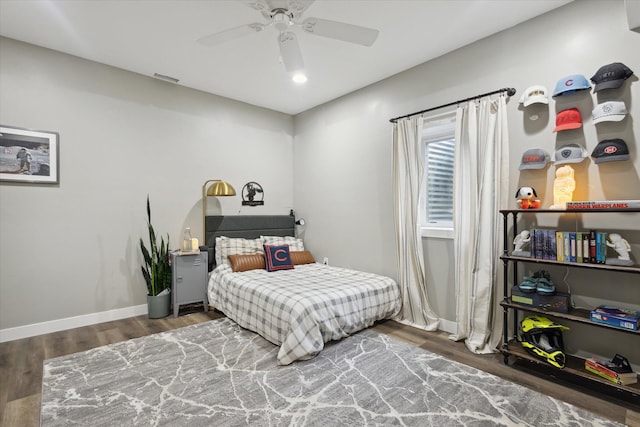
x=29, y=156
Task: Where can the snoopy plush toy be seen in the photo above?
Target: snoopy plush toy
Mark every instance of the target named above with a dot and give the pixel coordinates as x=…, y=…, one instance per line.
x=527, y=198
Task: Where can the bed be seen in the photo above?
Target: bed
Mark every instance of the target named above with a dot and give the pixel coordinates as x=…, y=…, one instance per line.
x=299, y=308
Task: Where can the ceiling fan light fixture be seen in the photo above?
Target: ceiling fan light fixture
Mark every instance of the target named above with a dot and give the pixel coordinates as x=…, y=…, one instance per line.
x=299, y=77
x=281, y=19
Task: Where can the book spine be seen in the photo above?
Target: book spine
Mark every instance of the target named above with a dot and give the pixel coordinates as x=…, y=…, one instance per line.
x=601, y=368
x=605, y=204
x=601, y=247
x=559, y=246
x=551, y=236
x=592, y=246
x=546, y=251
x=579, y=247
x=616, y=376
x=572, y=247
x=602, y=374
x=539, y=244
x=585, y=247
x=567, y=247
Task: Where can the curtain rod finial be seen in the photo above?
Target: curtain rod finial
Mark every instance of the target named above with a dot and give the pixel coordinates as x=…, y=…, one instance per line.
x=511, y=91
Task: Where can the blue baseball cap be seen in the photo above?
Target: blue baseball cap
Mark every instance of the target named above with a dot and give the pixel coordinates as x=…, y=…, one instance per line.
x=571, y=84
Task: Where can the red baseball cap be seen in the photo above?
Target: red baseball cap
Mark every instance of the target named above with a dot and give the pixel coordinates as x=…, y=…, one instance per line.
x=568, y=119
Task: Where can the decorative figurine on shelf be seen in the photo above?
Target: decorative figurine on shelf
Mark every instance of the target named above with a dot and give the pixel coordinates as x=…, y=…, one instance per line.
x=520, y=241
x=621, y=246
x=563, y=187
x=527, y=198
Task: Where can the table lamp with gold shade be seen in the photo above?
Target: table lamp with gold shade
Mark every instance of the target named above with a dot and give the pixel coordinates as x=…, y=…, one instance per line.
x=217, y=189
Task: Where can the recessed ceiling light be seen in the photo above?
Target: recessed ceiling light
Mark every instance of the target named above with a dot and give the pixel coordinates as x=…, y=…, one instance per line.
x=299, y=78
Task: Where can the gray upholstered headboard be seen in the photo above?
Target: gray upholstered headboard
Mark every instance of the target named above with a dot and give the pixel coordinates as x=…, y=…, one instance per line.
x=246, y=226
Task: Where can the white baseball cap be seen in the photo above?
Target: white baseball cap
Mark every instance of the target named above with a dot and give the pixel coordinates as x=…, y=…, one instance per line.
x=534, y=95
x=610, y=111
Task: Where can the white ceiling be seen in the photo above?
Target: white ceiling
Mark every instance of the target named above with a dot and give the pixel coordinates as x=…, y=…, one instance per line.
x=159, y=36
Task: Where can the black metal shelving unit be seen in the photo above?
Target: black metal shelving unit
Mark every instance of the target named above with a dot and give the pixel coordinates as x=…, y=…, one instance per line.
x=574, y=368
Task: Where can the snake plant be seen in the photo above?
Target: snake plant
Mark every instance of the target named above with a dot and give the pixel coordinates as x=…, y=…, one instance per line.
x=157, y=268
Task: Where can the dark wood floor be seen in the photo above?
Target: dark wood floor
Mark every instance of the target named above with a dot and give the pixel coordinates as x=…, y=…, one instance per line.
x=21, y=364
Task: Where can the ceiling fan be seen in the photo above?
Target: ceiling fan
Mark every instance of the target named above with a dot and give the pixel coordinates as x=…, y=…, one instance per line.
x=284, y=15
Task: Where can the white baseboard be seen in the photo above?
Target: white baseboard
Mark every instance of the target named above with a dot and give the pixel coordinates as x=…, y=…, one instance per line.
x=448, y=326
x=26, y=331
x=443, y=325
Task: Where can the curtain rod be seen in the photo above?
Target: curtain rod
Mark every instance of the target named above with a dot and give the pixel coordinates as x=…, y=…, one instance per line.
x=510, y=91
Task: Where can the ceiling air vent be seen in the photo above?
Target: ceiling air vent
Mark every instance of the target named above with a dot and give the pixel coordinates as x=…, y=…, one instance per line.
x=165, y=78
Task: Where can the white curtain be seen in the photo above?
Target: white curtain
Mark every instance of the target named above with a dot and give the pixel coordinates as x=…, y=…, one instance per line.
x=480, y=191
x=408, y=170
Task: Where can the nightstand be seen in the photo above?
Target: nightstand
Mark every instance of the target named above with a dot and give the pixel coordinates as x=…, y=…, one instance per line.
x=189, y=280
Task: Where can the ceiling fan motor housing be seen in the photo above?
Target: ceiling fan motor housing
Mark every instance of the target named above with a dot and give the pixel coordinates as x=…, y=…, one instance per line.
x=282, y=19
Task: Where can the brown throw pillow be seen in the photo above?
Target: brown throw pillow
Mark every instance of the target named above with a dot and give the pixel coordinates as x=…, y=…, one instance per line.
x=247, y=262
x=301, y=257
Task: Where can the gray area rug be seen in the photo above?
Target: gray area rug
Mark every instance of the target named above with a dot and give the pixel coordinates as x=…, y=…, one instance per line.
x=217, y=374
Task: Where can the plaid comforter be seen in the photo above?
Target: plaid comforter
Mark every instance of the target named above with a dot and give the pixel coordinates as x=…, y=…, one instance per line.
x=303, y=308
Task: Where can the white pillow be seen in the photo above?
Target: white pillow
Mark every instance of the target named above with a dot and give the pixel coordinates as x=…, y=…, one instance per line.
x=294, y=243
x=226, y=246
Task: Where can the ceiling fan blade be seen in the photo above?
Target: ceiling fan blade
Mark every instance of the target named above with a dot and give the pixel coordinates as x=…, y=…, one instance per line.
x=261, y=6
x=230, y=34
x=290, y=52
x=339, y=30
x=297, y=7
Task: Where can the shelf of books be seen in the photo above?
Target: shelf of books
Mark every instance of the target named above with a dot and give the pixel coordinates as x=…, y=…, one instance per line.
x=574, y=366
x=575, y=314
x=610, y=206
x=610, y=267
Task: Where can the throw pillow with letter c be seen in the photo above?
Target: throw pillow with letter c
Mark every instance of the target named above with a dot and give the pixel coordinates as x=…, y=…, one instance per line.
x=277, y=257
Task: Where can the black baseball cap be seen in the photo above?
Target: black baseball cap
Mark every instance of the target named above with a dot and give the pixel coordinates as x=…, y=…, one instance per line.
x=611, y=76
x=610, y=150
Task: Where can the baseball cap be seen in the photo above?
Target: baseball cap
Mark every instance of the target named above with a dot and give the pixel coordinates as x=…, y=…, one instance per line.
x=534, y=95
x=568, y=119
x=535, y=158
x=611, y=76
x=610, y=111
x=570, y=153
x=570, y=84
x=610, y=150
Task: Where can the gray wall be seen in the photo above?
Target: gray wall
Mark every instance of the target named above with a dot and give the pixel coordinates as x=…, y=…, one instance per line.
x=343, y=152
x=72, y=249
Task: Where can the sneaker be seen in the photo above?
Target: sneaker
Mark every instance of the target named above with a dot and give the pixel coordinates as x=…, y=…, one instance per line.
x=544, y=284
x=545, y=287
x=528, y=285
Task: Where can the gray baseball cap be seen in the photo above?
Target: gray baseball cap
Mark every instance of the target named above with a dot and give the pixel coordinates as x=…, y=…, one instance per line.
x=535, y=158
x=570, y=153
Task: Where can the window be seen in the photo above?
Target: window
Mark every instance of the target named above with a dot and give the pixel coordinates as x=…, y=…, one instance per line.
x=438, y=137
